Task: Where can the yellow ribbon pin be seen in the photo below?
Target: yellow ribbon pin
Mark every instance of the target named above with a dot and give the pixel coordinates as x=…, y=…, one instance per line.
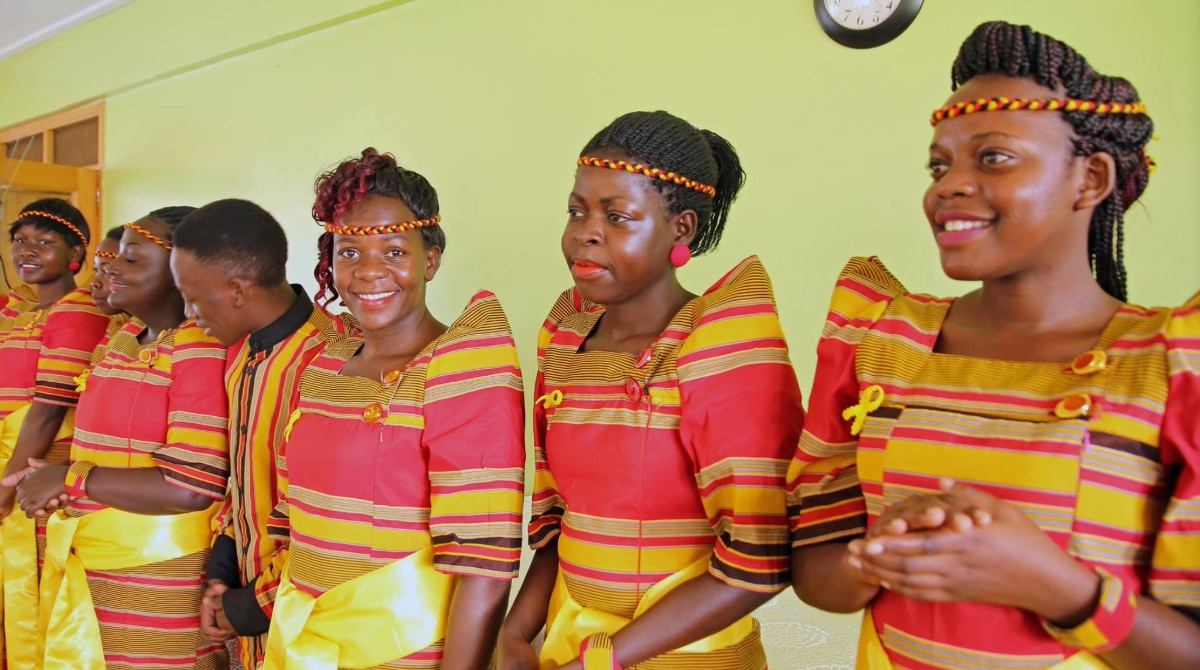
x=869, y=400
x=552, y=399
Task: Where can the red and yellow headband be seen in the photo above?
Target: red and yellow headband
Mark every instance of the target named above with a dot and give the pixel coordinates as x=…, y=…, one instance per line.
x=46, y=215
x=149, y=235
x=106, y=254
x=339, y=229
x=651, y=172
x=1049, y=105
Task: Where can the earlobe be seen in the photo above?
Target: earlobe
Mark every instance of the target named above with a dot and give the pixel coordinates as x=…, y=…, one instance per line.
x=1099, y=180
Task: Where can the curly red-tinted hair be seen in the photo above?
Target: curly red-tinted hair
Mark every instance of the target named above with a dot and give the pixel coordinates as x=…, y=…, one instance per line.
x=374, y=173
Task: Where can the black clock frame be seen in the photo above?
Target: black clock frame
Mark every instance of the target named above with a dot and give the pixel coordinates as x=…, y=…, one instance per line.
x=881, y=34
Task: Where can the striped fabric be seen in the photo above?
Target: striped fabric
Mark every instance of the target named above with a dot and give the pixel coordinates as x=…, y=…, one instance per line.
x=44, y=350
x=1194, y=302
x=170, y=413
x=263, y=386
x=656, y=461
x=1117, y=491
x=442, y=466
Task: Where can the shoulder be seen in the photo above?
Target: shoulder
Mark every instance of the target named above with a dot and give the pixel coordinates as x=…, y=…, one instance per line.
x=570, y=313
x=738, y=310
x=480, y=324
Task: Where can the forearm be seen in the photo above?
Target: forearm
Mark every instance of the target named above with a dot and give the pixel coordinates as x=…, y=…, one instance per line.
x=40, y=425
x=1162, y=639
x=476, y=612
x=822, y=578
x=694, y=610
x=528, y=614
x=142, y=491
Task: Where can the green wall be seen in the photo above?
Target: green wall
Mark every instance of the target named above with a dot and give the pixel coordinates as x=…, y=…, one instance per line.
x=493, y=100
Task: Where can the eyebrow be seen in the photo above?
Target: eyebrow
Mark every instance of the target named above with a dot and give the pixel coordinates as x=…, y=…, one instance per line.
x=983, y=136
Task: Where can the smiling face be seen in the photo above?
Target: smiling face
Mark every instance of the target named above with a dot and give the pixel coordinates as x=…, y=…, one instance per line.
x=1007, y=188
x=619, y=233
x=41, y=256
x=100, y=281
x=140, y=277
x=382, y=278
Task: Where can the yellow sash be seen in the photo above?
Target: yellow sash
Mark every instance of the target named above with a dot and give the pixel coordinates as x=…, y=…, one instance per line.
x=571, y=623
x=106, y=540
x=18, y=558
x=370, y=620
x=871, y=655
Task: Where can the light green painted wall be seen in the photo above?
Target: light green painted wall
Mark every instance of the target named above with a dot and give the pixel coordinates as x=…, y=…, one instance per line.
x=493, y=100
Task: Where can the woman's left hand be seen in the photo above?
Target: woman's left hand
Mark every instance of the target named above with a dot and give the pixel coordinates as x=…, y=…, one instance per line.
x=1009, y=562
x=43, y=489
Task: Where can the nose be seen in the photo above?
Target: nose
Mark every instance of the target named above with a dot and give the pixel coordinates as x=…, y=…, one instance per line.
x=369, y=267
x=590, y=231
x=956, y=182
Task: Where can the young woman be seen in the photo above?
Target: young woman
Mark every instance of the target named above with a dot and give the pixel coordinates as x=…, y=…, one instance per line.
x=664, y=422
x=402, y=483
x=106, y=252
x=1016, y=469
x=46, y=343
x=126, y=557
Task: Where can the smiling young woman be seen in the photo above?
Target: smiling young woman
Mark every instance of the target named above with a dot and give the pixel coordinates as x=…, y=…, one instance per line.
x=1010, y=477
x=401, y=483
x=664, y=421
x=44, y=344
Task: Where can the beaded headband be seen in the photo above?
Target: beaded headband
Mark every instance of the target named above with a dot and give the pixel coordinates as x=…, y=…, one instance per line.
x=149, y=235
x=46, y=215
x=339, y=229
x=1051, y=105
x=651, y=172
x=106, y=254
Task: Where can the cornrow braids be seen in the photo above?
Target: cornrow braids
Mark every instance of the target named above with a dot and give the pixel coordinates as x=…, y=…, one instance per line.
x=45, y=215
x=1021, y=52
x=373, y=173
x=172, y=216
x=667, y=142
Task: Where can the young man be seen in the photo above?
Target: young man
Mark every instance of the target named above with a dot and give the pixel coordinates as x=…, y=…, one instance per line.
x=228, y=263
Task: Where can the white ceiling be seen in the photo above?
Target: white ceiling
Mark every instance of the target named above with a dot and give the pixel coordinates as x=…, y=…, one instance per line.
x=25, y=23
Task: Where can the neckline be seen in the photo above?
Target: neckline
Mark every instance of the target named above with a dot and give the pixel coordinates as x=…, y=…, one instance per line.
x=1108, y=336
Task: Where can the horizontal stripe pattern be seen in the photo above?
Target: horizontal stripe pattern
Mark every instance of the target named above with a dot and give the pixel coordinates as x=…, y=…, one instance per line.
x=444, y=465
x=646, y=468
x=1112, y=490
x=42, y=351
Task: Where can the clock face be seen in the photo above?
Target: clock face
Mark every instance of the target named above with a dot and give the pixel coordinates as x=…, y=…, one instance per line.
x=860, y=14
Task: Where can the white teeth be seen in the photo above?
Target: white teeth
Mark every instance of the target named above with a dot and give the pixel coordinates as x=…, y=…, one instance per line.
x=955, y=226
x=376, y=296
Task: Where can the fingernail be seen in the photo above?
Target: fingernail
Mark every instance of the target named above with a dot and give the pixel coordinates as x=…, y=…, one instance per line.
x=854, y=563
x=946, y=483
x=874, y=548
x=886, y=585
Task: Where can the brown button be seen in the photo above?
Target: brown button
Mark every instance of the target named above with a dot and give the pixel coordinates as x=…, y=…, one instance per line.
x=1089, y=362
x=391, y=377
x=1074, y=406
x=146, y=356
x=373, y=413
x=644, y=358
x=633, y=390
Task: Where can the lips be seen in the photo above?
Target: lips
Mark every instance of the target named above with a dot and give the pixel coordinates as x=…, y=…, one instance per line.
x=377, y=299
x=584, y=269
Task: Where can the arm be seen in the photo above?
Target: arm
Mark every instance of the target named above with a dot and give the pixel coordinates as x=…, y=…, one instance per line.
x=40, y=426
x=823, y=578
x=476, y=612
x=527, y=616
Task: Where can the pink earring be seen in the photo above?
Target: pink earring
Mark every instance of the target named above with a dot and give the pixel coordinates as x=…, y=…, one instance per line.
x=680, y=255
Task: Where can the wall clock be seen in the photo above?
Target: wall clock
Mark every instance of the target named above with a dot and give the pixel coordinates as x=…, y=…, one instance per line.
x=862, y=24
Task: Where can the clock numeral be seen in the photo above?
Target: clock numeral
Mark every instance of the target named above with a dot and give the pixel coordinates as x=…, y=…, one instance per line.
x=848, y=14
x=875, y=19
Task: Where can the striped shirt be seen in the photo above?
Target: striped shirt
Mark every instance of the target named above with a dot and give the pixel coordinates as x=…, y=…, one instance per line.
x=652, y=462
x=262, y=382
x=1116, y=489
x=442, y=464
x=160, y=404
x=44, y=350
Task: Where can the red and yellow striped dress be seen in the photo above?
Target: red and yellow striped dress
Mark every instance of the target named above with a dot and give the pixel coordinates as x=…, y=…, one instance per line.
x=170, y=413
x=443, y=465
x=1117, y=489
x=653, y=462
x=41, y=353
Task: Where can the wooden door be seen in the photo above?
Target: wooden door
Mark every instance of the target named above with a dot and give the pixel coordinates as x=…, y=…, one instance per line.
x=29, y=181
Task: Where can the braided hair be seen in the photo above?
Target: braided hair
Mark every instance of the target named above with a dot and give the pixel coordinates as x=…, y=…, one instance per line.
x=668, y=142
x=171, y=217
x=1021, y=52
x=55, y=207
x=354, y=179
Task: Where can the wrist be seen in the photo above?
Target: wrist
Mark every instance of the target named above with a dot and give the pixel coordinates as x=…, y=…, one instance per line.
x=1106, y=625
x=597, y=653
x=76, y=480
